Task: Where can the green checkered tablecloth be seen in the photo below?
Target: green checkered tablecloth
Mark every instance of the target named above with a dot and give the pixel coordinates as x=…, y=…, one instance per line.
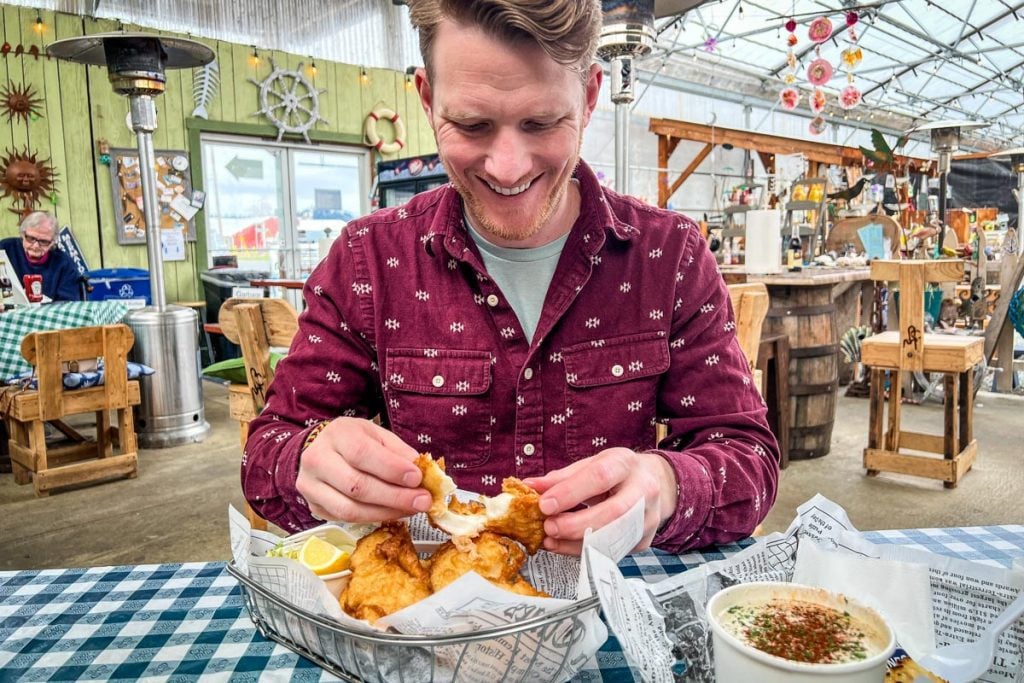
x=16, y=324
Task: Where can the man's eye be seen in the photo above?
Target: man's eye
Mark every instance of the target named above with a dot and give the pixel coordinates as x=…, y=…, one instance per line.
x=539, y=125
x=471, y=127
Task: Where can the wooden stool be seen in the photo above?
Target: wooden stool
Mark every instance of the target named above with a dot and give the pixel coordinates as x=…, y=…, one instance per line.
x=205, y=346
x=910, y=350
x=773, y=364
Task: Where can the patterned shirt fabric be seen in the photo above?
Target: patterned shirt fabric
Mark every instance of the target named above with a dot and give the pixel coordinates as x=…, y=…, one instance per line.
x=403, y=321
x=61, y=281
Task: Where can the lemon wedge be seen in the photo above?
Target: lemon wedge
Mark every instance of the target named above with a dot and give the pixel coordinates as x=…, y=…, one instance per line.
x=321, y=557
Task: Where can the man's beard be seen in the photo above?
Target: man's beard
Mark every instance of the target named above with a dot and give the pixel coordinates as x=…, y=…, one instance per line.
x=517, y=233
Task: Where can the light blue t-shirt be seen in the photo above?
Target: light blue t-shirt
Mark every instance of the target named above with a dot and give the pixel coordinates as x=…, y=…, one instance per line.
x=522, y=275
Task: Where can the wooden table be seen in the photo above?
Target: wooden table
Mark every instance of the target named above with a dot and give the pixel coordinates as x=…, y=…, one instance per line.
x=813, y=307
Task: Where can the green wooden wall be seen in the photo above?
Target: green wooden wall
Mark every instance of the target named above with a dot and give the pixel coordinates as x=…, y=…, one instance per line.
x=80, y=108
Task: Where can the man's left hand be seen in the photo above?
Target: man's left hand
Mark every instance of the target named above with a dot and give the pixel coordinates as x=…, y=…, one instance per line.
x=598, y=490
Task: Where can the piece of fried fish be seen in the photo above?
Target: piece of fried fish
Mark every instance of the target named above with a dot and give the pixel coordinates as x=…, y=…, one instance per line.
x=387, y=574
x=514, y=513
x=496, y=558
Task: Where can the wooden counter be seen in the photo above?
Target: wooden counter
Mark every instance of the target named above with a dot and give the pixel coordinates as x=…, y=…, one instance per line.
x=813, y=307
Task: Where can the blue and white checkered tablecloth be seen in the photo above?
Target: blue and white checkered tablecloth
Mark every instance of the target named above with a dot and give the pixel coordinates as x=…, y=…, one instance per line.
x=186, y=622
x=15, y=325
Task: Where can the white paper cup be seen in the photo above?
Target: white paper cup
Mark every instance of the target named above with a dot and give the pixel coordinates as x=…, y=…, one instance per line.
x=736, y=660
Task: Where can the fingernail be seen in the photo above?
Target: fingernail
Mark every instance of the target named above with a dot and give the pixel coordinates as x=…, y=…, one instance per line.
x=421, y=503
x=411, y=479
x=548, y=506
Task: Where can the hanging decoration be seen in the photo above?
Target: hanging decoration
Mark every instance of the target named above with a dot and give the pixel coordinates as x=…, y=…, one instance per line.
x=791, y=41
x=204, y=88
x=289, y=101
x=850, y=96
x=817, y=125
x=789, y=98
x=711, y=44
x=820, y=30
x=373, y=136
x=19, y=101
x=819, y=72
x=25, y=179
x=818, y=101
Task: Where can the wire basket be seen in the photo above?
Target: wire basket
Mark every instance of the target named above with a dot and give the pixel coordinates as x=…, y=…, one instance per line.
x=534, y=648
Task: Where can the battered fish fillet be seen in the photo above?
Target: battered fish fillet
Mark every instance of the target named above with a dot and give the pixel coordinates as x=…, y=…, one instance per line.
x=514, y=513
x=387, y=574
x=496, y=558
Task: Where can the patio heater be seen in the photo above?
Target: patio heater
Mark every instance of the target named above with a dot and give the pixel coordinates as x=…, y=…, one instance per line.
x=945, y=141
x=1016, y=157
x=166, y=339
x=627, y=33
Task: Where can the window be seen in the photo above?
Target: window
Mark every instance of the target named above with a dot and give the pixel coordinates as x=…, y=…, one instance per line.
x=271, y=204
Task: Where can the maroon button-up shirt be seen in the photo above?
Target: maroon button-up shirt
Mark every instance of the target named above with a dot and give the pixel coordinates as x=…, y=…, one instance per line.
x=403, y=321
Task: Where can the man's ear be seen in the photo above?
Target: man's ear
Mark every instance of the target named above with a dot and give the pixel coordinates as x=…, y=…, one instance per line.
x=593, y=90
x=426, y=93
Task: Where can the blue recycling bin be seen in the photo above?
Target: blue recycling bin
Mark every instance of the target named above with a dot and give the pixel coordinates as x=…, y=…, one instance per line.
x=119, y=283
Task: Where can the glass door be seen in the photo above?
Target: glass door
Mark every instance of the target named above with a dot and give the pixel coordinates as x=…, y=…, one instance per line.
x=275, y=207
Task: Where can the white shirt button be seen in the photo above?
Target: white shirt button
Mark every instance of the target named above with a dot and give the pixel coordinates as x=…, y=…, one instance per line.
x=528, y=373
x=438, y=381
x=492, y=300
x=528, y=449
x=617, y=370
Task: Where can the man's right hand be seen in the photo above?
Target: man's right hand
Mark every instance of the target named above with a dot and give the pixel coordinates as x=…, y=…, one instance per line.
x=357, y=471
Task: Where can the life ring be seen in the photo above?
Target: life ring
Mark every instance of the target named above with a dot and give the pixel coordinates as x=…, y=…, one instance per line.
x=370, y=129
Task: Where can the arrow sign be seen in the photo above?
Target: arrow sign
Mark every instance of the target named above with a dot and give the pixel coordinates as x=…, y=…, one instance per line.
x=245, y=168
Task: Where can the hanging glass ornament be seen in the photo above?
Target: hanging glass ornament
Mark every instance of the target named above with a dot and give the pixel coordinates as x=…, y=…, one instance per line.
x=817, y=125
x=789, y=98
x=819, y=72
x=818, y=101
x=820, y=30
x=849, y=97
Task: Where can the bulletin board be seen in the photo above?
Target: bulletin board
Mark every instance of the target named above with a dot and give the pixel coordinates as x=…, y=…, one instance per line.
x=173, y=185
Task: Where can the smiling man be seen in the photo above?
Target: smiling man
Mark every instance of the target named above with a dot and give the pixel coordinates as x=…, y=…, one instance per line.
x=523, y=321
x=35, y=252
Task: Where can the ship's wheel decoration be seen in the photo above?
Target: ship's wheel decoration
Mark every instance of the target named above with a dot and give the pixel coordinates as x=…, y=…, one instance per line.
x=25, y=179
x=289, y=101
x=19, y=101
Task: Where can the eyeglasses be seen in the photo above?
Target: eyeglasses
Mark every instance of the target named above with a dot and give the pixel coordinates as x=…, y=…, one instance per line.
x=29, y=239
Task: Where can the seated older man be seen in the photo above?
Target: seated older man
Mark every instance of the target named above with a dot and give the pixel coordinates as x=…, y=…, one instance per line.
x=35, y=253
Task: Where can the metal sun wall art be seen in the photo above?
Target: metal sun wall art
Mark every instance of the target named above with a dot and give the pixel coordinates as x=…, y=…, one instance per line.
x=19, y=101
x=290, y=101
x=25, y=179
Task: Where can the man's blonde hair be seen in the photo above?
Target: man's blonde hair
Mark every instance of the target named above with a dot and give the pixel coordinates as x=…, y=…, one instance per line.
x=567, y=30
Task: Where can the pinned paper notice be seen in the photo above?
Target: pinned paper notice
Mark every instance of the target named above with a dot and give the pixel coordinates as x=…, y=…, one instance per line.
x=873, y=239
x=184, y=207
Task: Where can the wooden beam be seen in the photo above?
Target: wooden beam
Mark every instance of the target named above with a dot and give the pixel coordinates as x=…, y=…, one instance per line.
x=687, y=172
x=761, y=142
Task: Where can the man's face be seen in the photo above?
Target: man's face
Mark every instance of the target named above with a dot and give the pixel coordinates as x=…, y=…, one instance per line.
x=508, y=121
x=37, y=241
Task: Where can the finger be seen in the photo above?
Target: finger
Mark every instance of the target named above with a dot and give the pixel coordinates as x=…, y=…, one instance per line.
x=572, y=525
x=600, y=475
x=541, y=484
x=362, y=486
x=327, y=502
x=561, y=547
x=373, y=451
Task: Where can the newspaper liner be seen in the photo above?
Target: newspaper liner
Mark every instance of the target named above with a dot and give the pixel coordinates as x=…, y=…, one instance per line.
x=930, y=600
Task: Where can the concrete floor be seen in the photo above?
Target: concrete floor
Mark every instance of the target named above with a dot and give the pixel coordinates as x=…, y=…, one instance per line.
x=176, y=510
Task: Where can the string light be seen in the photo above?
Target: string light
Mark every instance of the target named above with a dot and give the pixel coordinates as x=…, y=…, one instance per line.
x=254, y=58
x=39, y=26
x=364, y=77
x=408, y=82
x=741, y=10
x=312, y=67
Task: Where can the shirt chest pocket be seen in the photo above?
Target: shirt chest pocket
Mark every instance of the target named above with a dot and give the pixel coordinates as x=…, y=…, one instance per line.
x=439, y=400
x=612, y=388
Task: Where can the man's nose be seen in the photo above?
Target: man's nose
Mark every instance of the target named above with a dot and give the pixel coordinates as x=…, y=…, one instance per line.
x=508, y=157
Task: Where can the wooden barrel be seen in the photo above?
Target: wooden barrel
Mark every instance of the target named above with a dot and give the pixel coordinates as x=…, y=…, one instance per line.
x=807, y=315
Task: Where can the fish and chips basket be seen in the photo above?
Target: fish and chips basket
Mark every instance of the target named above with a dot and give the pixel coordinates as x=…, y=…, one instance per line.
x=470, y=631
x=473, y=631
